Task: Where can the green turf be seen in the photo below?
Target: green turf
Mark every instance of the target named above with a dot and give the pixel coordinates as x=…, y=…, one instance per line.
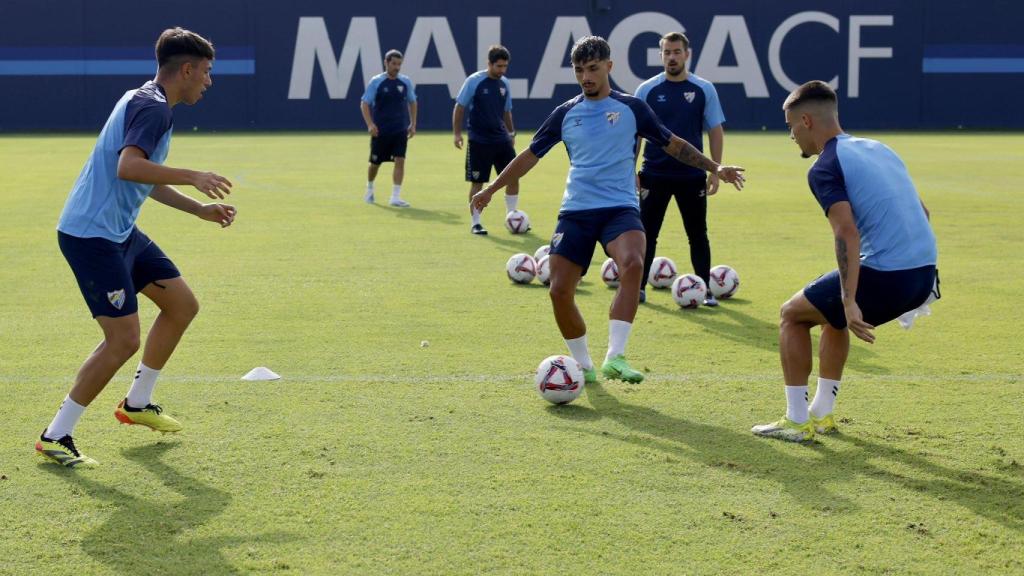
x=375, y=454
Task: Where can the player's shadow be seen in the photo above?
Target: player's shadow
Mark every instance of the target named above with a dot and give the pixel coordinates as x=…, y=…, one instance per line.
x=727, y=321
x=527, y=242
x=412, y=213
x=146, y=536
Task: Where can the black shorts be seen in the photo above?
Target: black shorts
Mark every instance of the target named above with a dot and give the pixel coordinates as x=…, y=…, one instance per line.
x=387, y=147
x=881, y=296
x=578, y=231
x=480, y=158
x=110, y=274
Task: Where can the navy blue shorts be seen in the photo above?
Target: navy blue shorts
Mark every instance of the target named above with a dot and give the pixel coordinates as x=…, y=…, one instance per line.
x=579, y=231
x=480, y=157
x=110, y=274
x=387, y=147
x=881, y=296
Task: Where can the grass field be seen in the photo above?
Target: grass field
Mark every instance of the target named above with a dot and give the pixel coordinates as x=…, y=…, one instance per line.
x=375, y=455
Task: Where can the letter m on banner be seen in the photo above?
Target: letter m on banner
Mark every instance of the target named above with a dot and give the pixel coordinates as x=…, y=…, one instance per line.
x=313, y=44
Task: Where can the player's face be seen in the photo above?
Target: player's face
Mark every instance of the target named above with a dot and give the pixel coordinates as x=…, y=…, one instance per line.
x=196, y=76
x=674, y=57
x=592, y=76
x=800, y=132
x=393, y=66
x=497, y=69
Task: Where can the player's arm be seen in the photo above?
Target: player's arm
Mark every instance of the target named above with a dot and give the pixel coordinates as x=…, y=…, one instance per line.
x=457, y=115
x=515, y=170
x=716, y=142
x=222, y=214
x=686, y=153
x=509, y=125
x=134, y=166
x=840, y=216
x=413, y=108
x=368, y=118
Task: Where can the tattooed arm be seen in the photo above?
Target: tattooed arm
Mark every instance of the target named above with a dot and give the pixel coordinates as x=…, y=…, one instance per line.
x=840, y=216
x=685, y=152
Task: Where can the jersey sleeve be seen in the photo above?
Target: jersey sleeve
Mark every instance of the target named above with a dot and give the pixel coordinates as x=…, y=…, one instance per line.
x=410, y=90
x=713, y=115
x=643, y=90
x=145, y=125
x=827, y=183
x=370, y=95
x=508, y=93
x=647, y=124
x=549, y=134
x=465, y=96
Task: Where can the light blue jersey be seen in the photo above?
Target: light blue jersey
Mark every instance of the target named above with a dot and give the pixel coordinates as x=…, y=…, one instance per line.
x=601, y=138
x=894, y=230
x=101, y=205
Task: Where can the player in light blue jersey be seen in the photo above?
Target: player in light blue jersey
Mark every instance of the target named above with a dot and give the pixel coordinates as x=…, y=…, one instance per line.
x=113, y=260
x=600, y=129
x=389, y=110
x=884, y=247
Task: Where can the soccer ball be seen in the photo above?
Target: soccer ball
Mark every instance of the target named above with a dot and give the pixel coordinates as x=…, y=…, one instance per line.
x=544, y=270
x=517, y=222
x=724, y=281
x=559, y=379
x=521, y=268
x=663, y=272
x=542, y=252
x=610, y=273
x=689, y=290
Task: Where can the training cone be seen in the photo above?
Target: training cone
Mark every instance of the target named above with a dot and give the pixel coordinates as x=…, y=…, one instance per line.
x=261, y=373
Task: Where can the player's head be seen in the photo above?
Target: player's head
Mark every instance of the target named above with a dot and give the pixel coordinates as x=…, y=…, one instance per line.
x=185, y=59
x=393, y=62
x=497, y=60
x=812, y=115
x=675, y=51
x=591, y=61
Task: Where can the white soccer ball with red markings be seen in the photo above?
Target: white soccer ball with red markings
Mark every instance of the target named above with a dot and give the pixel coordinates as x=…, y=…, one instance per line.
x=559, y=379
x=521, y=268
x=663, y=272
x=724, y=281
x=689, y=291
x=517, y=222
x=542, y=252
x=610, y=273
x=544, y=270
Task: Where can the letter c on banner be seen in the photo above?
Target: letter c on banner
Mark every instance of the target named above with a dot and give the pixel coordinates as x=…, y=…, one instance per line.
x=775, y=46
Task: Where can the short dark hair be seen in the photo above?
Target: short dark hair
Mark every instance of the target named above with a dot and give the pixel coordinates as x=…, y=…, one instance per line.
x=675, y=37
x=176, y=45
x=590, y=48
x=497, y=52
x=813, y=91
x=393, y=54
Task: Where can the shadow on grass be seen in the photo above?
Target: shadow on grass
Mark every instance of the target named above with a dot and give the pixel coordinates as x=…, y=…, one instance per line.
x=997, y=498
x=728, y=322
x=153, y=536
x=413, y=213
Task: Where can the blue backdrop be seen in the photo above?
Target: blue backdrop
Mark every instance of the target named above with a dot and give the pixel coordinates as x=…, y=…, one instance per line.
x=303, y=64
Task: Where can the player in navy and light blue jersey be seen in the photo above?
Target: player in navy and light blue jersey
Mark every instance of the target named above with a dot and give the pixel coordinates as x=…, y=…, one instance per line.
x=487, y=95
x=600, y=129
x=113, y=260
x=389, y=110
x=884, y=246
x=687, y=104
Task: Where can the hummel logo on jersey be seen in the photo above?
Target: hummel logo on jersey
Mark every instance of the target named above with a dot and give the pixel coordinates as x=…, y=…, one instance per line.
x=487, y=91
x=385, y=89
x=501, y=91
x=689, y=96
x=116, y=298
x=661, y=97
x=579, y=122
x=612, y=117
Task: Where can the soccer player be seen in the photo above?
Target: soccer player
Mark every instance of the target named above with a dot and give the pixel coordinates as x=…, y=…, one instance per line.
x=113, y=260
x=391, y=123
x=600, y=128
x=687, y=104
x=884, y=247
x=488, y=96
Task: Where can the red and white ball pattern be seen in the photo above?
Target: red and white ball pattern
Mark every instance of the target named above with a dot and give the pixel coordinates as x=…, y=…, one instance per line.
x=724, y=281
x=663, y=272
x=610, y=273
x=689, y=291
x=517, y=222
x=559, y=379
x=521, y=268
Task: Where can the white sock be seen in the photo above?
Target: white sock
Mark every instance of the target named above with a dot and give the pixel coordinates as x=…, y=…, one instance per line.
x=476, y=216
x=511, y=202
x=65, y=420
x=140, y=394
x=369, y=186
x=618, y=334
x=825, y=397
x=579, y=351
x=796, y=403
x=396, y=190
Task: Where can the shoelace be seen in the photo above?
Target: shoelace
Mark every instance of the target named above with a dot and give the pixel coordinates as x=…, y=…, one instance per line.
x=154, y=407
x=69, y=443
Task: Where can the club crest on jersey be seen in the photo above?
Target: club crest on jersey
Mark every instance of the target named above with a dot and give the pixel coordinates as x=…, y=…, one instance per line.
x=116, y=298
x=612, y=117
x=556, y=238
x=501, y=91
x=401, y=89
x=689, y=96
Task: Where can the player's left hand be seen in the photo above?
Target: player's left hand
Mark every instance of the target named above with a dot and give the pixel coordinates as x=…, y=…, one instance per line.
x=223, y=214
x=733, y=175
x=481, y=199
x=712, y=185
x=412, y=131
x=855, y=321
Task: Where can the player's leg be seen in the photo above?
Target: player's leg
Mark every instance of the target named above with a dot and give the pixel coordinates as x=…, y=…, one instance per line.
x=833, y=349
x=478, y=170
x=397, y=150
x=623, y=239
x=692, y=201
x=372, y=169
x=504, y=154
x=653, y=204
x=572, y=248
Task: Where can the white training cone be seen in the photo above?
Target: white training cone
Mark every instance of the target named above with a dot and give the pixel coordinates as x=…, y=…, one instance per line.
x=261, y=373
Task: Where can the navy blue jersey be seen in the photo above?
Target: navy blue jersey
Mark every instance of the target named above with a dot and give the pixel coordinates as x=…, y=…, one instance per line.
x=487, y=100
x=389, y=99
x=686, y=108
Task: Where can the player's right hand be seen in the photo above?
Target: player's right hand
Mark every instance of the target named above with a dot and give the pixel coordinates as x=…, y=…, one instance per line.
x=481, y=199
x=373, y=130
x=732, y=175
x=213, y=185
x=855, y=321
x=458, y=141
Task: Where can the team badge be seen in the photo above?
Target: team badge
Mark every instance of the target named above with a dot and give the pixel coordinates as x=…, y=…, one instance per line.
x=502, y=91
x=373, y=157
x=689, y=96
x=476, y=174
x=612, y=117
x=556, y=238
x=401, y=89
x=116, y=298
